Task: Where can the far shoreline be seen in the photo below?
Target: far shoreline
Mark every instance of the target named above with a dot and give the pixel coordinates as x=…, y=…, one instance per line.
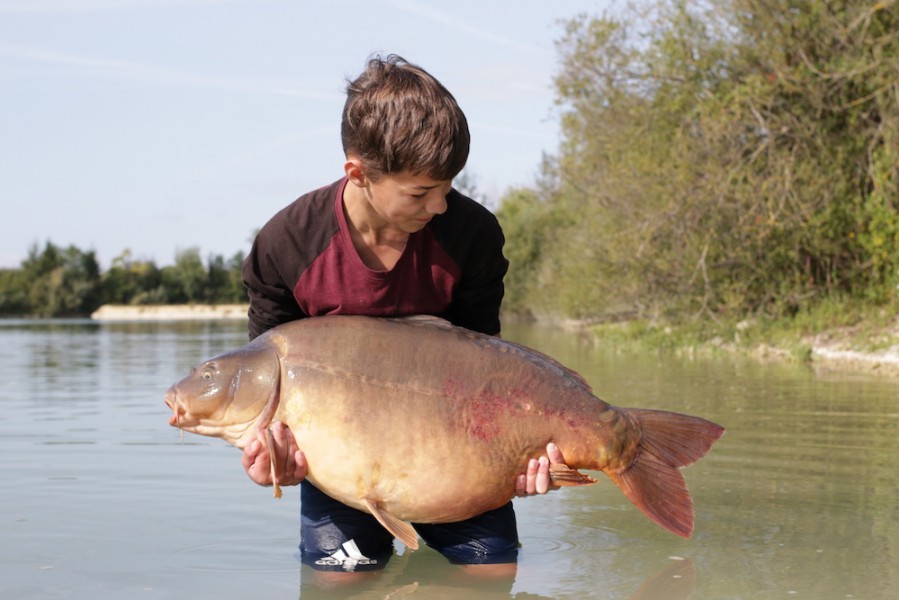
x=170, y=312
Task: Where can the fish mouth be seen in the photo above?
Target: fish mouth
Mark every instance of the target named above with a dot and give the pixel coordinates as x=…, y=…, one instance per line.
x=177, y=410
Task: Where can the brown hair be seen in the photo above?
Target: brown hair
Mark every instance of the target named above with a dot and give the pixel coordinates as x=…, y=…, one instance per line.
x=398, y=117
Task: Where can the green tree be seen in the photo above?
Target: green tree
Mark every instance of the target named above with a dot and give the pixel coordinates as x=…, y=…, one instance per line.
x=730, y=157
x=217, y=282
x=14, y=290
x=130, y=281
x=62, y=282
x=187, y=280
x=237, y=292
x=225, y=280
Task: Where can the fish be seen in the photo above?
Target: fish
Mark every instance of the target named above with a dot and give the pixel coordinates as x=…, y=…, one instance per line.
x=415, y=420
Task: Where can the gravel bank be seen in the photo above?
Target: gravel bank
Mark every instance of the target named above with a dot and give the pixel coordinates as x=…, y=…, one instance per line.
x=172, y=312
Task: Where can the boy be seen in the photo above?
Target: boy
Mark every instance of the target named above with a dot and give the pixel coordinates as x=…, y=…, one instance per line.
x=391, y=238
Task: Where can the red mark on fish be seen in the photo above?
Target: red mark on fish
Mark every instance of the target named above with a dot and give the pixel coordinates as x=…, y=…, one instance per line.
x=481, y=411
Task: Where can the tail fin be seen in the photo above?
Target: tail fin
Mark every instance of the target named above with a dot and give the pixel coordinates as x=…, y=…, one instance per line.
x=652, y=482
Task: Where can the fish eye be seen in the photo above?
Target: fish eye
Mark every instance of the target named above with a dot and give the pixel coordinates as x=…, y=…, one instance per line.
x=208, y=372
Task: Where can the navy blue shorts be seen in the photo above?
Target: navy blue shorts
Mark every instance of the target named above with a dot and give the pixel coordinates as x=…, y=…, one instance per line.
x=335, y=537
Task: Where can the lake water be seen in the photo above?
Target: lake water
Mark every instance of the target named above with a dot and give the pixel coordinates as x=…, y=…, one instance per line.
x=100, y=498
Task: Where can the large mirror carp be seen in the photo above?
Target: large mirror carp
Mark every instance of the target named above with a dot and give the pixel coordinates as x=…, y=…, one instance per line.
x=415, y=420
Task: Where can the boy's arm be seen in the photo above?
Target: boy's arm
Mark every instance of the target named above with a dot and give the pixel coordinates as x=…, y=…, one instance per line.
x=271, y=300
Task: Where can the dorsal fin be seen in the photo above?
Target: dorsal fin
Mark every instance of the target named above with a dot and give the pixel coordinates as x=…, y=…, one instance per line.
x=426, y=320
x=534, y=356
x=537, y=357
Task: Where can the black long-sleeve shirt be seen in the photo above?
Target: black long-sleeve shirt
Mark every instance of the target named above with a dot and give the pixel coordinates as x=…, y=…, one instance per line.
x=303, y=264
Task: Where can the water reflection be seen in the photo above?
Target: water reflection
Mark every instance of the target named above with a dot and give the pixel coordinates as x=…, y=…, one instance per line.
x=427, y=575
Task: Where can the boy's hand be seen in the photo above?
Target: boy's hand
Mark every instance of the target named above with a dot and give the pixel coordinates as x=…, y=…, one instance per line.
x=290, y=459
x=536, y=480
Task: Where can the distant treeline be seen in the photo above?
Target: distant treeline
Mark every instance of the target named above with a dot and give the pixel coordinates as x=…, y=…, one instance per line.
x=68, y=282
x=727, y=159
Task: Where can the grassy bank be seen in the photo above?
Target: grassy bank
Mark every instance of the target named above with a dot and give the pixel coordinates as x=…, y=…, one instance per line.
x=834, y=336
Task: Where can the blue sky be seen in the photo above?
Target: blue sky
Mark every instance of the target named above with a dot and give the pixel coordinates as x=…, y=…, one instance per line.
x=158, y=125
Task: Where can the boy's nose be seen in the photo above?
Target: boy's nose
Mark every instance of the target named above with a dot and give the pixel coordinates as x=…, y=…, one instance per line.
x=437, y=205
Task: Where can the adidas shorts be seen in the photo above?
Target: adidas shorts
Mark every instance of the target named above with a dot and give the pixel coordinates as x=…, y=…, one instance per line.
x=335, y=537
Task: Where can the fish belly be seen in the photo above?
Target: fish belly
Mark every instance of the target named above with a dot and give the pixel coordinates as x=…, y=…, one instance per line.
x=412, y=467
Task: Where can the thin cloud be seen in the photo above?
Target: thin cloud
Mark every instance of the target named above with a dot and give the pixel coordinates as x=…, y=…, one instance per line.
x=73, y=6
x=460, y=25
x=149, y=75
x=476, y=125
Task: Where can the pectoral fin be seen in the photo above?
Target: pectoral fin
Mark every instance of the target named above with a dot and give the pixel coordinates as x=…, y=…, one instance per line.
x=400, y=529
x=563, y=475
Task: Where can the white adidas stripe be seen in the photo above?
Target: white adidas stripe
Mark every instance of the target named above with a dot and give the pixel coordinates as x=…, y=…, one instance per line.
x=349, y=557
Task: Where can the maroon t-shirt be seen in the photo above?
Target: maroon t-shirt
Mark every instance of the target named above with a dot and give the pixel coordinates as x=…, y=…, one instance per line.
x=303, y=263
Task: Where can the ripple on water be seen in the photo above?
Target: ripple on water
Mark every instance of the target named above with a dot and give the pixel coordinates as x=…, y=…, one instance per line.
x=539, y=546
x=237, y=556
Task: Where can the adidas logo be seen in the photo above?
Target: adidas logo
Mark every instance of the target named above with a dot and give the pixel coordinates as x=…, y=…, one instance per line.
x=348, y=557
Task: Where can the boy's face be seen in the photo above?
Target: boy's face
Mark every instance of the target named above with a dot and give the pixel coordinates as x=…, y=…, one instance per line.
x=408, y=201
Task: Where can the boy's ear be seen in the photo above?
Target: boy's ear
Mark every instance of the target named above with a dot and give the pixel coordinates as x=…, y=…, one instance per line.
x=355, y=171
